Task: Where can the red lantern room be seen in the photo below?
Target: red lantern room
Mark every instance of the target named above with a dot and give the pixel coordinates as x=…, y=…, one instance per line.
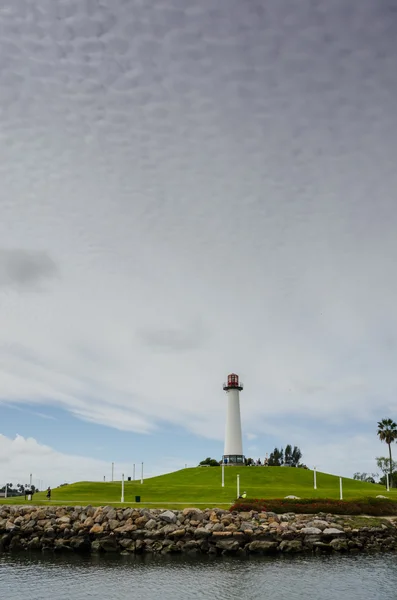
x=233, y=383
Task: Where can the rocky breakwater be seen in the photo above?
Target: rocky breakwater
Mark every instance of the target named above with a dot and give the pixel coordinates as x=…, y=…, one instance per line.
x=211, y=531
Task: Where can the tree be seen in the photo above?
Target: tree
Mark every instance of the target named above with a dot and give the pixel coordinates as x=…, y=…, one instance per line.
x=387, y=432
x=368, y=477
x=211, y=462
x=276, y=458
x=383, y=464
x=288, y=455
x=296, y=456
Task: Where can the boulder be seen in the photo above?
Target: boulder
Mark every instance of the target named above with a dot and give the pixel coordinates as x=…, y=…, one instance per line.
x=339, y=545
x=290, y=546
x=228, y=545
x=201, y=532
x=113, y=524
x=319, y=523
x=97, y=528
x=108, y=544
x=311, y=531
x=168, y=516
x=262, y=547
x=333, y=532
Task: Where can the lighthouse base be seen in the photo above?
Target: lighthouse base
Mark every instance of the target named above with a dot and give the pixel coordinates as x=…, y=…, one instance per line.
x=233, y=459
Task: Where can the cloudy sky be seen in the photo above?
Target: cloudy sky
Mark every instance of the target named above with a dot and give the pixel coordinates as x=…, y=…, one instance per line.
x=190, y=189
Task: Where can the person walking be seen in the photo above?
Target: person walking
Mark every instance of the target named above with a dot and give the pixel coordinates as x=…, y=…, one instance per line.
x=48, y=493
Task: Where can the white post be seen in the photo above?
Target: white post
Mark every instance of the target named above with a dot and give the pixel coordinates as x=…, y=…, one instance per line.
x=122, y=488
x=238, y=486
x=112, y=471
x=133, y=472
x=104, y=478
x=315, y=478
x=31, y=480
x=6, y=492
x=223, y=475
x=142, y=474
x=340, y=488
x=387, y=483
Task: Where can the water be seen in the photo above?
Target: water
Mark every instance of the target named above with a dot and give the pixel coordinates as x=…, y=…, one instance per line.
x=42, y=577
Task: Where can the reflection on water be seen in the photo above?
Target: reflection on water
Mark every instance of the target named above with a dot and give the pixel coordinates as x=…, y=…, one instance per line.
x=38, y=577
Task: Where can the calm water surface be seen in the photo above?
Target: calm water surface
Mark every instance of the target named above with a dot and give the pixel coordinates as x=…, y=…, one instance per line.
x=38, y=577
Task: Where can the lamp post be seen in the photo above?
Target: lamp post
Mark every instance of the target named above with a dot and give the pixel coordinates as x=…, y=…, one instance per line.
x=122, y=487
x=315, y=478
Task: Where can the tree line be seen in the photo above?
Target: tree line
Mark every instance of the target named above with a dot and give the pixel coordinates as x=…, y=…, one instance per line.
x=17, y=490
x=290, y=457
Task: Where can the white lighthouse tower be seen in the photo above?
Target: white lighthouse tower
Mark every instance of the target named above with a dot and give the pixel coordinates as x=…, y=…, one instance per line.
x=233, y=453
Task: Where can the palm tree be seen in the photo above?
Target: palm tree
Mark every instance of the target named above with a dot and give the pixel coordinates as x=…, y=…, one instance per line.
x=387, y=432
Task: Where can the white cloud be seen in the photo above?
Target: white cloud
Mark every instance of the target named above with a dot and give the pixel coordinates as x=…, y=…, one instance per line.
x=20, y=457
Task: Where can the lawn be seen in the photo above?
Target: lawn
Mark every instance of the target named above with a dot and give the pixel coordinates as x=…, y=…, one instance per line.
x=201, y=486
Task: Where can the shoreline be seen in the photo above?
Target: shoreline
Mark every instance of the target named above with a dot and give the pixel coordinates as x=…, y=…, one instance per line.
x=192, y=531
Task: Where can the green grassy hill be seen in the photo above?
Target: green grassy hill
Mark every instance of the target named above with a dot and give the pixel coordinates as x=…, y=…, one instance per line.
x=202, y=486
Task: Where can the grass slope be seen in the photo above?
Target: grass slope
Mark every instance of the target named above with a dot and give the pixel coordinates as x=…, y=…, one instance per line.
x=197, y=486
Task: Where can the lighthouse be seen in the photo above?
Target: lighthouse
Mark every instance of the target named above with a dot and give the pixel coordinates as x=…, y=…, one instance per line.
x=233, y=452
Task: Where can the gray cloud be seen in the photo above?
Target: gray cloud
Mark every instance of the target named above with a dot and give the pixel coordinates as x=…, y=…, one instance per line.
x=25, y=268
x=235, y=161
x=170, y=339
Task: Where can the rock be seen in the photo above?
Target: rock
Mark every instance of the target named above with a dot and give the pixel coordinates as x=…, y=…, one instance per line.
x=151, y=524
x=333, y=532
x=113, y=524
x=262, y=547
x=319, y=523
x=64, y=520
x=178, y=533
x=194, y=513
x=89, y=522
x=290, y=546
x=125, y=529
x=34, y=543
x=380, y=496
x=96, y=528
x=322, y=547
x=110, y=513
x=310, y=531
x=96, y=546
x=108, y=544
x=292, y=497
x=168, y=516
x=201, y=532
x=221, y=534
x=228, y=545
x=339, y=545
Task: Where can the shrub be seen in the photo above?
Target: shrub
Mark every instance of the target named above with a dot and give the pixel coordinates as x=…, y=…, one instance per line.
x=368, y=506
